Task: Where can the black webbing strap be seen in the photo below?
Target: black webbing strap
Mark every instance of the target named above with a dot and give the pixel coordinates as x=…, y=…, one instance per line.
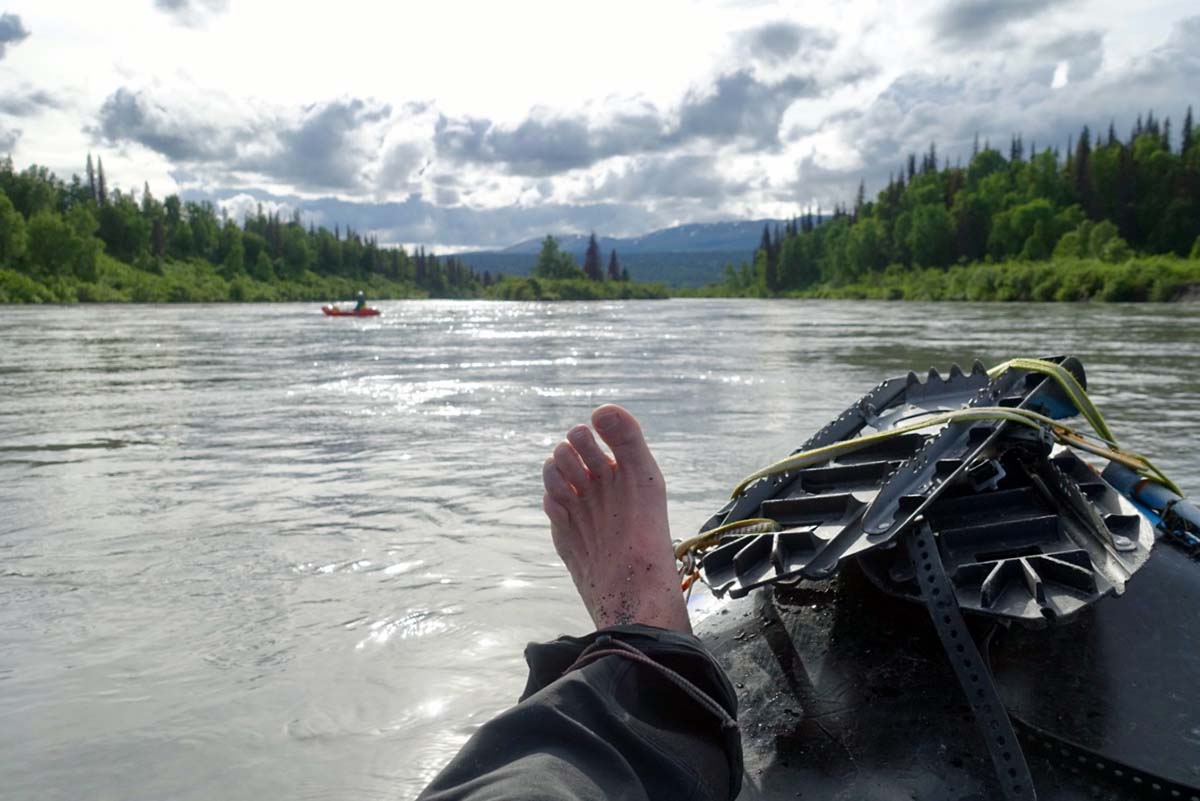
x=970, y=667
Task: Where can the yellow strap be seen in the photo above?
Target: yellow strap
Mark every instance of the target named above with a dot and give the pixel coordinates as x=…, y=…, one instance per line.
x=1063, y=377
x=760, y=525
x=1061, y=433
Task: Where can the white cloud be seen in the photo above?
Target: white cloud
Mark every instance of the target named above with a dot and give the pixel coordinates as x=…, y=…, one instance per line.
x=1062, y=75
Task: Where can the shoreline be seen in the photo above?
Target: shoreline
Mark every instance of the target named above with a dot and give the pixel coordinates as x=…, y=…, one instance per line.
x=1153, y=279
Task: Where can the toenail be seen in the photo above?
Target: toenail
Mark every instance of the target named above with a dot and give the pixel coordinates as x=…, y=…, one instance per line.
x=607, y=420
x=577, y=435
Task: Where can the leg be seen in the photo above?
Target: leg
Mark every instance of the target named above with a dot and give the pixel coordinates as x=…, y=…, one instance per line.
x=608, y=519
x=598, y=722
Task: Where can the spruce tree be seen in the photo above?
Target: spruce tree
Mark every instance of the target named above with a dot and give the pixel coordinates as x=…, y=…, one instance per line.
x=101, y=186
x=591, y=260
x=91, y=177
x=1083, y=177
x=614, y=267
x=158, y=238
x=1187, y=134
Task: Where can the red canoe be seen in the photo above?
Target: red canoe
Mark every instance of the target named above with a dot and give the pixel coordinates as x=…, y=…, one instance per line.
x=334, y=311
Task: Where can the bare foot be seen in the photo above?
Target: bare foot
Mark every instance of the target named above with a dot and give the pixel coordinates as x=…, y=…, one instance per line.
x=608, y=518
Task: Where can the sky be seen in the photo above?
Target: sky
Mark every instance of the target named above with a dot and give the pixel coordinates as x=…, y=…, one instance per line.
x=459, y=125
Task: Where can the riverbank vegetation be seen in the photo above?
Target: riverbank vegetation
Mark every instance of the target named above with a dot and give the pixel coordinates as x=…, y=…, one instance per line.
x=1113, y=220
x=78, y=241
x=556, y=276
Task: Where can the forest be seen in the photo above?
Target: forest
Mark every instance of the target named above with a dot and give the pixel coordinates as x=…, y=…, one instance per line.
x=79, y=241
x=1113, y=219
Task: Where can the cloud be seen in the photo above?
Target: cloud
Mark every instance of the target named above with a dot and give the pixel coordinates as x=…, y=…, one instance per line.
x=1083, y=52
x=545, y=145
x=324, y=147
x=417, y=220
x=695, y=178
x=174, y=130
x=739, y=106
x=963, y=22
x=8, y=139
x=27, y=103
x=779, y=42
x=191, y=12
x=328, y=148
x=401, y=165
x=12, y=32
x=243, y=205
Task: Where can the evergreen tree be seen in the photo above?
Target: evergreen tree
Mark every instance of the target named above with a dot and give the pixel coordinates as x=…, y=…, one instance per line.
x=1188, y=133
x=1083, y=174
x=101, y=186
x=158, y=239
x=614, y=267
x=91, y=178
x=591, y=260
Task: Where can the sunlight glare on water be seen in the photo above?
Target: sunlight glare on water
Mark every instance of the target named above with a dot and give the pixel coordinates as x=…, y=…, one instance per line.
x=251, y=552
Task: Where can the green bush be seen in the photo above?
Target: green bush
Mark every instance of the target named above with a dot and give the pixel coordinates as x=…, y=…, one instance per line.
x=18, y=288
x=573, y=289
x=1153, y=278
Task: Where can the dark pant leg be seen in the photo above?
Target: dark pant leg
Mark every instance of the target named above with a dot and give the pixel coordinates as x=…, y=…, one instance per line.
x=613, y=726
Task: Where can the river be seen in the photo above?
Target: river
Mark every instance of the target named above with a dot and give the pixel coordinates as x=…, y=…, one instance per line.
x=249, y=552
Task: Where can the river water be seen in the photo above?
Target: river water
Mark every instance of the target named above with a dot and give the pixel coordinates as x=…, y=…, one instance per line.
x=249, y=552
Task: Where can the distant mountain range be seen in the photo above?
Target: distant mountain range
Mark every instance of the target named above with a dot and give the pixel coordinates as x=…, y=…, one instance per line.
x=684, y=255
x=690, y=238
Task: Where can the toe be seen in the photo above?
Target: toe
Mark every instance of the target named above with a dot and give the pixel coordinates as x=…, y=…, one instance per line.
x=566, y=459
x=557, y=486
x=560, y=519
x=597, y=461
x=621, y=431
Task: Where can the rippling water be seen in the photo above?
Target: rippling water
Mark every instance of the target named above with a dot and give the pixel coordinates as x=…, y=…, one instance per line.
x=250, y=552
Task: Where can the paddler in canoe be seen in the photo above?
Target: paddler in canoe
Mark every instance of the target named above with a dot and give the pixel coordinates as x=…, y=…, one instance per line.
x=361, y=309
